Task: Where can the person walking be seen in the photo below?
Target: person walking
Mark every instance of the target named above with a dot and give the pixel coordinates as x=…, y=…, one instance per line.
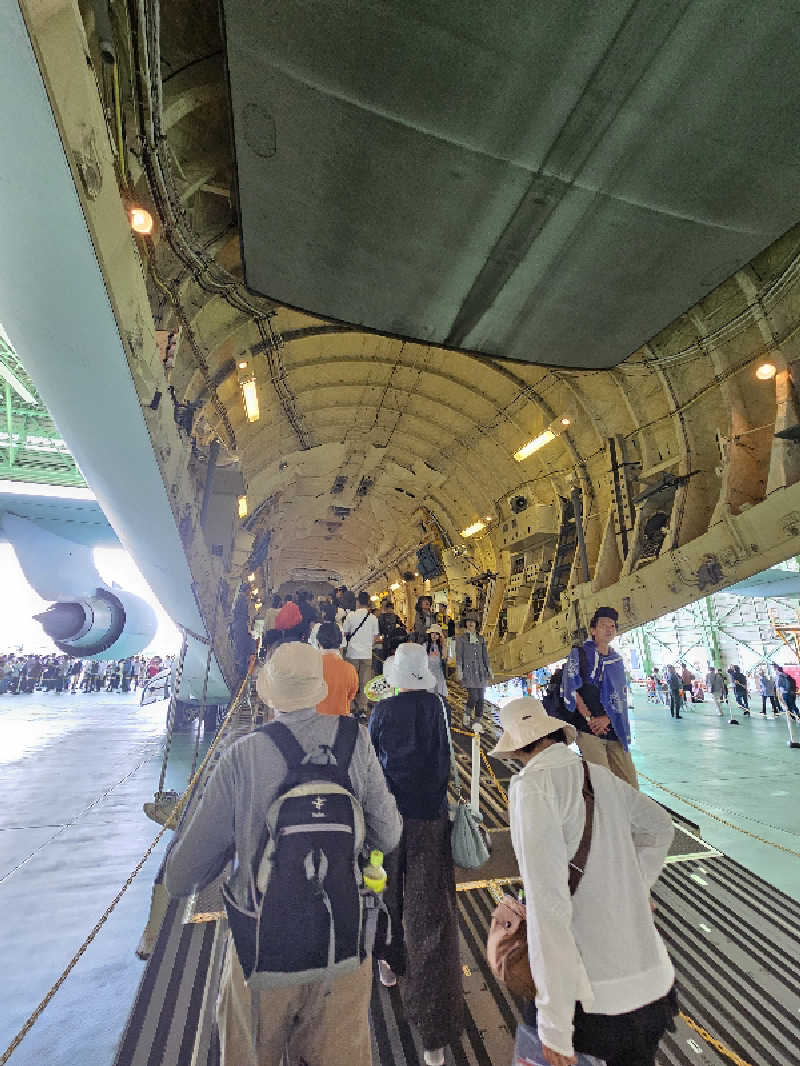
x=436, y=647
x=410, y=736
x=687, y=677
x=715, y=684
x=766, y=687
x=361, y=630
x=340, y=677
x=423, y=619
x=594, y=692
x=473, y=668
x=739, y=682
x=321, y=1022
x=675, y=686
x=600, y=946
x=786, y=687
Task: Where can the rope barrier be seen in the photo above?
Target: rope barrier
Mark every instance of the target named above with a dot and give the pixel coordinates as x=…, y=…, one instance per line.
x=485, y=760
x=170, y=823
x=716, y=817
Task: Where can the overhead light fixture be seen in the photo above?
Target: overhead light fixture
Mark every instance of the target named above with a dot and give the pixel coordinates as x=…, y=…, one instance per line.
x=566, y=421
x=488, y=518
x=416, y=573
x=394, y=586
x=141, y=221
x=476, y=527
x=766, y=372
x=534, y=445
x=243, y=366
x=243, y=507
x=251, y=577
x=250, y=397
x=374, y=598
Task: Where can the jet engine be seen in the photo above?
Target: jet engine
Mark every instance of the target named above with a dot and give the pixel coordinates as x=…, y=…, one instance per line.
x=87, y=617
x=111, y=623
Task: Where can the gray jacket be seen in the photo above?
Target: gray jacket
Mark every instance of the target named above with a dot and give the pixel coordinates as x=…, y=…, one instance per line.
x=472, y=662
x=232, y=811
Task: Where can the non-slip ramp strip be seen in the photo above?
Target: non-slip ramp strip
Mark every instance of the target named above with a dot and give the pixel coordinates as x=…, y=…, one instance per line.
x=732, y=938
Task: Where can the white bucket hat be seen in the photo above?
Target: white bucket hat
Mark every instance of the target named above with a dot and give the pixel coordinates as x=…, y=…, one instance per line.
x=524, y=721
x=408, y=668
x=291, y=679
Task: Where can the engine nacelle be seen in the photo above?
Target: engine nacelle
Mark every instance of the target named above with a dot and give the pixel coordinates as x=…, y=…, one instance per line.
x=107, y=624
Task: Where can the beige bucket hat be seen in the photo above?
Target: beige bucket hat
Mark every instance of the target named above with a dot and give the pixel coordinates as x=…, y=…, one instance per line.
x=291, y=679
x=524, y=721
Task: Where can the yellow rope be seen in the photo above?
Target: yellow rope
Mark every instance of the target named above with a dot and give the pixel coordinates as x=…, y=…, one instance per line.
x=170, y=823
x=709, y=1039
x=716, y=817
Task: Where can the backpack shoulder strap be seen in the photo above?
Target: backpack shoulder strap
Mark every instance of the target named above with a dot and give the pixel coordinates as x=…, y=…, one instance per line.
x=344, y=743
x=286, y=743
x=578, y=862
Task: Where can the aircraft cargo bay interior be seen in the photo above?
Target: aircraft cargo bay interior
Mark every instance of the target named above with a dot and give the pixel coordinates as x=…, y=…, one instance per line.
x=400, y=533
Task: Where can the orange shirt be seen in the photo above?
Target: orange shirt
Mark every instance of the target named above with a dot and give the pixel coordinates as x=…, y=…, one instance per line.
x=342, y=680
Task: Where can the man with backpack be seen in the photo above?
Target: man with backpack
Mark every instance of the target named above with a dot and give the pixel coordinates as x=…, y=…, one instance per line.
x=787, y=690
x=594, y=689
x=295, y=802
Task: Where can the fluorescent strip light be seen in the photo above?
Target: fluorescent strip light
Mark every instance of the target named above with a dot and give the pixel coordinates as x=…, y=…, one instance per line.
x=534, y=445
x=250, y=396
x=395, y=586
x=470, y=531
x=243, y=507
x=17, y=385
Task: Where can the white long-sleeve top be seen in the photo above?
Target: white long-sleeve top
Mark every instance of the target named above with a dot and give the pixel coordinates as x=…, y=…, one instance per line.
x=599, y=946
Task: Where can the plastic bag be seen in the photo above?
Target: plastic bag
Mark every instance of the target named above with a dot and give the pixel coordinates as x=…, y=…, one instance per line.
x=528, y=1050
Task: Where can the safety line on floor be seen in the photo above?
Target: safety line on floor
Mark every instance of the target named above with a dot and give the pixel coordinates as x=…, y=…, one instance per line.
x=716, y=817
x=170, y=823
x=712, y=1040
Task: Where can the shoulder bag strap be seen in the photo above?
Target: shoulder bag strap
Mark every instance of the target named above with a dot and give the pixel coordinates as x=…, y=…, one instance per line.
x=345, y=742
x=578, y=863
x=450, y=745
x=286, y=743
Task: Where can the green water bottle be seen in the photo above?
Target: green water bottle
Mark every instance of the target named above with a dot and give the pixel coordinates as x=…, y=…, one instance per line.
x=374, y=874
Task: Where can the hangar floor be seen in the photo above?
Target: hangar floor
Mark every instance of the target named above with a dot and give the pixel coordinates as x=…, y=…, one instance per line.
x=76, y=770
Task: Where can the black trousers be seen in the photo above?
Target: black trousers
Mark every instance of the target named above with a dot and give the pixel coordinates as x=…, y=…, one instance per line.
x=772, y=699
x=629, y=1039
x=675, y=702
x=474, y=704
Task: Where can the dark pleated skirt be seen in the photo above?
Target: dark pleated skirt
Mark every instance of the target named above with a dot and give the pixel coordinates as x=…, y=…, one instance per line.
x=424, y=952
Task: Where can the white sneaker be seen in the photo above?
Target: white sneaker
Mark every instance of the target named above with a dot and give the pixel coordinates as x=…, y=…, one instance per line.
x=387, y=975
x=434, y=1057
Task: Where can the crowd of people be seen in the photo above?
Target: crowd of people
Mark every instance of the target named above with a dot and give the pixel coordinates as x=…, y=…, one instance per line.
x=357, y=637
x=22, y=673
x=296, y=979
x=677, y=687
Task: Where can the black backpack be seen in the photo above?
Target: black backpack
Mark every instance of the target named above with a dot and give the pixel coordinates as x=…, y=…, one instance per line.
x=305, y=916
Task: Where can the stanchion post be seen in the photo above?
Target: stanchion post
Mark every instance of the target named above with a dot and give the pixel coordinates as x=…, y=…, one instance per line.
x=475, y=785
x=791, y=742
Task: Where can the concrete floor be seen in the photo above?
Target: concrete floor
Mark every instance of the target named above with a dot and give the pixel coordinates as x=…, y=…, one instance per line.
x=61, y=754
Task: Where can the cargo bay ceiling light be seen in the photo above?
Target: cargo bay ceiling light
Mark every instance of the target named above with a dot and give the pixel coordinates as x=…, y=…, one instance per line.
x=395, y=586
x=243, y=507
x=250, y=397
x=549, y=433
x=766, y=372
x=141, y=221
x=476, y=527
x=251, y=577
x=534, y=445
